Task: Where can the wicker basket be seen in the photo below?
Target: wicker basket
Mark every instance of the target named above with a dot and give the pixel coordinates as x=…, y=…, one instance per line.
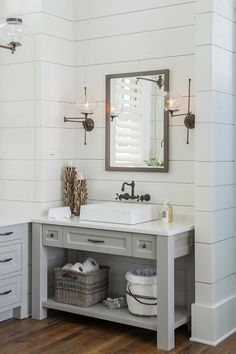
x=80, y=289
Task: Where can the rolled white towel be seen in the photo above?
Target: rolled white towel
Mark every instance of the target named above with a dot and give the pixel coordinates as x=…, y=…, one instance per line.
x=78, y=267
x=67, y=266
x=90, y=265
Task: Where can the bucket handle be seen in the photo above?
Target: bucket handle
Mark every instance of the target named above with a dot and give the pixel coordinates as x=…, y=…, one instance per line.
x=135, y=297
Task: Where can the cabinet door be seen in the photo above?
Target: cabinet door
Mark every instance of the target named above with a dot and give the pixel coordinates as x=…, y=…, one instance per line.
x=144, y=246
x=102, y=241
x=10, y=258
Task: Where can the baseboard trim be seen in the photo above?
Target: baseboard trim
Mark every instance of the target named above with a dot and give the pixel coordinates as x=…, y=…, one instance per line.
x=212, y=325
x=213, y=344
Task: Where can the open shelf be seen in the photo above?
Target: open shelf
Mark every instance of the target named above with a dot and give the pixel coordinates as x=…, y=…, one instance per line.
x=120, y=316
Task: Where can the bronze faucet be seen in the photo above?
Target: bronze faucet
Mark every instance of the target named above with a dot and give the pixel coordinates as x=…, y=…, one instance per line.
x=132, y=196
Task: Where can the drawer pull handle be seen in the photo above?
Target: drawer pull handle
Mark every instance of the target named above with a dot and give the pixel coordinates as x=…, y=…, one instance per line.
x=6, y=233
x=144, y=245
x=6, y=292
x=6, y=260
x=95, y=241
x=51, y=235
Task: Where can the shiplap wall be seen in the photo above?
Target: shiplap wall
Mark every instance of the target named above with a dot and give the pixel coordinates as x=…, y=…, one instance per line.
x=213, y=315
x=19, y=188
x=135, y=36
x=37, y=88
x=57, y=95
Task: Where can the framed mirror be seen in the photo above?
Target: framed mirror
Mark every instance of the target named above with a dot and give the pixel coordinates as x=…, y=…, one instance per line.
x=136, y=123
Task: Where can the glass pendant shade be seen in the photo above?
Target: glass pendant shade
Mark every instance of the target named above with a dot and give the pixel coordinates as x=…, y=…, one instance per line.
x=13, y=32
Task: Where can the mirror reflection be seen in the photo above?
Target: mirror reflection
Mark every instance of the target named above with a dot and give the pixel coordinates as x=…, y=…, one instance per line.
x=136, y=123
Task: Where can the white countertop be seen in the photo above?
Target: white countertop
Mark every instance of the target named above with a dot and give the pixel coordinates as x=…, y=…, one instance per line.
x=181, y=223
x=9, y=221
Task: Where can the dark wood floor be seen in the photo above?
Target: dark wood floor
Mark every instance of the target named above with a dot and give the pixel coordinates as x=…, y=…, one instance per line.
x=62, y=333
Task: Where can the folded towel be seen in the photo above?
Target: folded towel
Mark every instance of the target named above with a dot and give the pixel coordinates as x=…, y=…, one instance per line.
x=59, y=214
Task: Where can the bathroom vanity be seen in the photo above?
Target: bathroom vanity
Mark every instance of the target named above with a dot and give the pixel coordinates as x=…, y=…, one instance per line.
x=150, y=241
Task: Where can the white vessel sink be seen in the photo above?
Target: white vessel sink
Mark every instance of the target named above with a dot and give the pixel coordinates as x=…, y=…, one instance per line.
x=119, y=213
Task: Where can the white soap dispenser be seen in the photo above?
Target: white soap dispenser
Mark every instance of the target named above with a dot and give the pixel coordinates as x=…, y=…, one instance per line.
x=167, y=212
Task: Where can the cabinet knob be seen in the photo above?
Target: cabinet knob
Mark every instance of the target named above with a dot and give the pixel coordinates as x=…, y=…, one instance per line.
x=51, y=234
x=144, y=245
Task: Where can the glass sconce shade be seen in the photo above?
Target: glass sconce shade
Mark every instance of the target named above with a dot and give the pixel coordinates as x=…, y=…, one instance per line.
x=87, y=104
x=13, y=32
x=171, y=101
x=114, y=111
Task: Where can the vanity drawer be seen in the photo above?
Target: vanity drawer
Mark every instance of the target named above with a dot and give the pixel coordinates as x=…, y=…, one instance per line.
x=102, y=241
x=52, y=235
x=10, y=258
x=9, y=233
x=10, y=291
x=144, y=246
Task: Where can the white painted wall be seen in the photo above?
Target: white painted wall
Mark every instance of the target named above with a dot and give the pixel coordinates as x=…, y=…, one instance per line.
x=57, y=95
x=37, y=88
x=215, y=307
x=135, y=36
x=19, y=188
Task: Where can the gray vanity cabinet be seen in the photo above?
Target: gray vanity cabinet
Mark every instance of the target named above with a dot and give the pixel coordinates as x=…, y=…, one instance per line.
x=159, y=243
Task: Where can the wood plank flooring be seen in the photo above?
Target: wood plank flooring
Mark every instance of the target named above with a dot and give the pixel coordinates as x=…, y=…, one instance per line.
x=63, y=333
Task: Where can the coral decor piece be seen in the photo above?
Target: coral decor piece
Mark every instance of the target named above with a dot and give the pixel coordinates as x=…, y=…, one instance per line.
x=80, y=195
x=75, y=191
x=70, y=178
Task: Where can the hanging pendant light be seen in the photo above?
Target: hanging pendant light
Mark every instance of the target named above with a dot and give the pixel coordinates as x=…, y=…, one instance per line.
x=13, y=33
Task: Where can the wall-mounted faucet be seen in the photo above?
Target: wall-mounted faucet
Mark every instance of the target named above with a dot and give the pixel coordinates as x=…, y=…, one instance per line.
x=132, y=196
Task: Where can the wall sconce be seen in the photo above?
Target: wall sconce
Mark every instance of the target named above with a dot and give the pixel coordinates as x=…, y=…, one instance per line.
x=173, y=102
x=86, y=108
x=12, y=33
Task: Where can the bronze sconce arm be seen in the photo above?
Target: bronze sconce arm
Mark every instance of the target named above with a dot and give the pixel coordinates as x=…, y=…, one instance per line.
x=11, y=47
x=87, y=123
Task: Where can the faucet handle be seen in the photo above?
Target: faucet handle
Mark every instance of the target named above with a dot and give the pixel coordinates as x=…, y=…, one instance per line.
x=117, y=196
x=145, y=197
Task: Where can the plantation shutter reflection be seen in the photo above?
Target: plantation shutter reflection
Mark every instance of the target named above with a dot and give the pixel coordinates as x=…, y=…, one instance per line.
x=128, y=139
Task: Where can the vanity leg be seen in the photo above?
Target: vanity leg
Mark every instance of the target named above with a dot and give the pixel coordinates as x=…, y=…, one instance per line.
x=165, y=293
x=190, y=284
x=39, y=273
x=24, y=310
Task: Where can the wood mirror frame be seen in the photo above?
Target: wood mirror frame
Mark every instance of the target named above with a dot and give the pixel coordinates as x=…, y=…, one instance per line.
x=108, y=166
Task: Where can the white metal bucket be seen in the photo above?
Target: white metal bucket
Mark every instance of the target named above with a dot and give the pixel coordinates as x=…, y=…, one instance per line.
x=141, y=292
